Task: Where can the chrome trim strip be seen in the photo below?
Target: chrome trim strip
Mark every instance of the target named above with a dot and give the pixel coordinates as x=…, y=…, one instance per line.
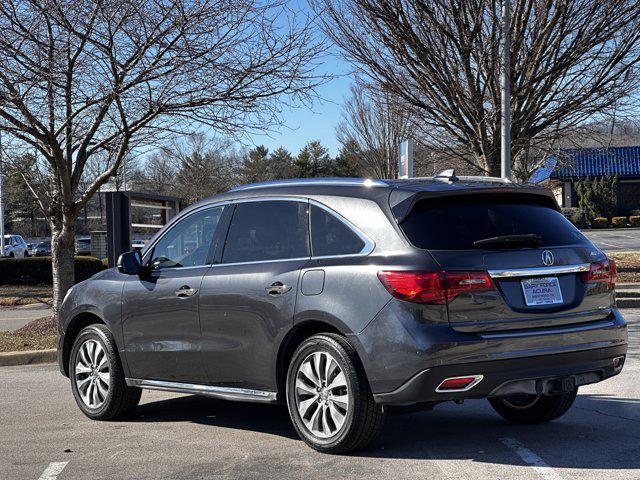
x=226, y=393
x=349, y=182
x=478, y=379
x=258, y=262
x=539, y=271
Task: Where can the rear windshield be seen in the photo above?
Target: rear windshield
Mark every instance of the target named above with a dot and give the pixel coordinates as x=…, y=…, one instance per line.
x=455, y=223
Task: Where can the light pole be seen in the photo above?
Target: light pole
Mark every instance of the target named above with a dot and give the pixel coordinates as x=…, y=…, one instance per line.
x=505, y=147
x=1, y=198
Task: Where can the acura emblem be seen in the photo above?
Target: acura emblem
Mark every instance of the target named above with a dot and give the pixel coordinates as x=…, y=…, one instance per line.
x=547, y=258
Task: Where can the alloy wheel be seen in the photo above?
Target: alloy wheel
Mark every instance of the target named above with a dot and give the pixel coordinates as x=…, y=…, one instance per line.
x=92, y=374
x=322, y=395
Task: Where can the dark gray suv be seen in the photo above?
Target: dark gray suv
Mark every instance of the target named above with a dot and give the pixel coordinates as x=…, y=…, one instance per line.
x=346, y=298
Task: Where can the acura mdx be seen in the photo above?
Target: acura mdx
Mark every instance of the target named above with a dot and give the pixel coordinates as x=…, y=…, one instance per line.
x=347, y=298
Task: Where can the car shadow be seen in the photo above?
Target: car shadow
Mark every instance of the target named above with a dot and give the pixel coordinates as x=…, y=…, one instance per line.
x=259, y=417
x=600, y=432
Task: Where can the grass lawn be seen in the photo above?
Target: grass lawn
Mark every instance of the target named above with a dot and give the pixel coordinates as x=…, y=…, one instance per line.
x=628, y=266
x=40, y=334
x=16, y=295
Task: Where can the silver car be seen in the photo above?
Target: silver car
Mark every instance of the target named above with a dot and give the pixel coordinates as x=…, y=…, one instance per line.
x=15, y=247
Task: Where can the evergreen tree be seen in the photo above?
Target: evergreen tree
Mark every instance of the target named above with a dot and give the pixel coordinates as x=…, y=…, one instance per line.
x=597, y=197
x=254, y=167
x=281, y=165
x=313, y=161
x=347, y=163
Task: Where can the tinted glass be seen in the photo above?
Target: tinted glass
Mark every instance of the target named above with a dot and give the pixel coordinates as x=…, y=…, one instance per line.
x=455, y=223
x=270, y=230
x=330, y=236
x=187, y=243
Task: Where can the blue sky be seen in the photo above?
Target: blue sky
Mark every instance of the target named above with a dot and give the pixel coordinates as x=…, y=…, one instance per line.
x=316, y=123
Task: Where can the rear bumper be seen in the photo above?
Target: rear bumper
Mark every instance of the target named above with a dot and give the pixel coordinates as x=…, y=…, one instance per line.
x=403, y=346
x=542, y=374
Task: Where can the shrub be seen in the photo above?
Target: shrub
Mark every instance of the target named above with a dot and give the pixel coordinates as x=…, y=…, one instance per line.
x=635, y=220
x=37, y=270
x=600, y=222
x=597, y=197
x=619, y=222
x=576, y=216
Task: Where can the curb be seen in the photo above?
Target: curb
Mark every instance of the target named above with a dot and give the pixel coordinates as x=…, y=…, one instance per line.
x=10, y=359
x=608, y=229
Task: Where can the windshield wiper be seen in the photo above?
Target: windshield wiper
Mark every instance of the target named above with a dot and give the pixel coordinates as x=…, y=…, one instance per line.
x=509, y=241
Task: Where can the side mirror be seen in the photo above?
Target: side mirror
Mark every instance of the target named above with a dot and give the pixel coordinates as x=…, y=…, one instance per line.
x=130, y=263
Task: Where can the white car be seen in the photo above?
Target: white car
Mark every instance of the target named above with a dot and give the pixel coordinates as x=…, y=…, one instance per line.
x=15, y=247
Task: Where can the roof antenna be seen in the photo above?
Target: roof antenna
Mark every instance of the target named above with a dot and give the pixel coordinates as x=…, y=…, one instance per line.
x=449, y=174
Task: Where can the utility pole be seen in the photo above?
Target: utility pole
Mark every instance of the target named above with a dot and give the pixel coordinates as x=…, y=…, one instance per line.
x=505, y=148
x=1, y=198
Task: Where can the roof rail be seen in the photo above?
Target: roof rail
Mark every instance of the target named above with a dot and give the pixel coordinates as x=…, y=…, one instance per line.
x=483, y=178
x=450, y=176
x=351, y=182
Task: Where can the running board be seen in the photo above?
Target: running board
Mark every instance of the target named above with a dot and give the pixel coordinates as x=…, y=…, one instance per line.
x=226, y=393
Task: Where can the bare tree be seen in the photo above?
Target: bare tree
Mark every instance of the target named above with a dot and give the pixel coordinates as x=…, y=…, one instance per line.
x=101, y=77
x=374, y=124
x=569, y=60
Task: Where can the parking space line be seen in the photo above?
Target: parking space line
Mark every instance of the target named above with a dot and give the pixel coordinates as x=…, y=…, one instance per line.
x=610, y=244
x=532, y=459
x=53, y=470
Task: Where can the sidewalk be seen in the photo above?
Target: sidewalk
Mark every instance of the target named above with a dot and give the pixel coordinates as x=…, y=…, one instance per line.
x=17, y=317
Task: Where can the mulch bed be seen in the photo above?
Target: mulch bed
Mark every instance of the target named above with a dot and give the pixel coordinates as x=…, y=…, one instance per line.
x=628, y=264
x=40, y=334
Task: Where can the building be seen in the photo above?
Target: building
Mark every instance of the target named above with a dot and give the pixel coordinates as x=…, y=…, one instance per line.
x=572, y=165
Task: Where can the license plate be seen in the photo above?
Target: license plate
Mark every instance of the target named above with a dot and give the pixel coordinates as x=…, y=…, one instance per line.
x=541, y=291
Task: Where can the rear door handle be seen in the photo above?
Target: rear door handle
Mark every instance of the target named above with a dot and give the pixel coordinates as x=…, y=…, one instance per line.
x=277, y=288
x=185, y=291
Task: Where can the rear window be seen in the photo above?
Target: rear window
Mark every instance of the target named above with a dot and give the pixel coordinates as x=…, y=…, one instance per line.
x=455, y=223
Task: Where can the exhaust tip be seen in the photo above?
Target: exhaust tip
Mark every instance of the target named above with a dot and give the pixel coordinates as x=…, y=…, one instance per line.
x=459, y=384
x=618, y=362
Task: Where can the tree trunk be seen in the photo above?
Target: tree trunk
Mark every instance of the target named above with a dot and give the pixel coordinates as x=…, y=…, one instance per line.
x=62, y=258
x=493, y=165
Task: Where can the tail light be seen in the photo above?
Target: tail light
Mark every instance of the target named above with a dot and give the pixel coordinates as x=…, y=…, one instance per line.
x=604, y=271
x=433, y=287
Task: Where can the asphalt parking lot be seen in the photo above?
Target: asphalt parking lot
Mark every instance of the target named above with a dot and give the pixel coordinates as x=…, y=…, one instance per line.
x=187, y=437
x=615, y=240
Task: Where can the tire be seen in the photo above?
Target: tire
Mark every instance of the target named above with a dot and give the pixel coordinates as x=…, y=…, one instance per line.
x=97, y=377
x=531, y=409
x=11, y=255
x=354, y=419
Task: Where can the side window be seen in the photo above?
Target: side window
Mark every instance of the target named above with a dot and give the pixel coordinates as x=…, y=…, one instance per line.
x=270, y=230
x=330, y=236
x=188, y=242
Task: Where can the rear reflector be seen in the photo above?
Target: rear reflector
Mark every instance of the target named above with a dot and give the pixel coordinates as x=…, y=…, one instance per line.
x=602, y=272
x=433, y=287
x=459, y=384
